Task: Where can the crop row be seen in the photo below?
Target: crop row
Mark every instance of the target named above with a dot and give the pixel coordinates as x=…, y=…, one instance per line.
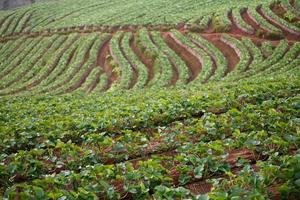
x=142, y=73
x=168, y=62
x=191, y=161
x=97, y=120
x=20, y=75
x=263, y=16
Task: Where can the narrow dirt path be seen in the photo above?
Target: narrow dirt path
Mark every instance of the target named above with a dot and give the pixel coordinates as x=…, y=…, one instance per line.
x=149, y=63
x=185, y=54
x=229, y=53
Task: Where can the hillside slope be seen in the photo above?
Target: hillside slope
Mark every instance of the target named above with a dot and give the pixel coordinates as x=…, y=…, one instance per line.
x=150, y=100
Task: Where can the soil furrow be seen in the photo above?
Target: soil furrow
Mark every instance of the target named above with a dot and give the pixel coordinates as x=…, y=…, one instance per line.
x=262, y=33
x=175, y=75
x=10, y=19
x=235, y=29
x=282, y=10
x=108, y=68
x=20, y=76
x=229, y=53
x=20, y=19
x=76, y=70
x=101, y=61
x=250, y=59
x=189, y=57
x=26, y=22
x=93, y=85
x=249, y=20
x=143, y=58
x=134, y=79
x=211, y=55
x=5, y=18
x=87, y=72
x=6, y=72
x=288, y=33
x=47, y=73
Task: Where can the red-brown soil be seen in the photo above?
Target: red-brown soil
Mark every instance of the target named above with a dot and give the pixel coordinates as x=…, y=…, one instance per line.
x=190, y=58
x=211, y=55
x=229, y=53
x=133, y=67
x=104, y=61
x=49, y=71
x=248, y=19
x=113, y=76
x=82, y=79
x=250, y=59
x=174, y=67
x=234, y=27
x=175, y=76
x=45, y=75
x=148, y=62
x=288, y=33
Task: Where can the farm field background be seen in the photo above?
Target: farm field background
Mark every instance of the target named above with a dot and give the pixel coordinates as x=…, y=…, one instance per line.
x=150, y=100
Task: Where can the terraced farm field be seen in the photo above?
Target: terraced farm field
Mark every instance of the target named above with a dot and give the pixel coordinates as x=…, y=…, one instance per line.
x=150, y=100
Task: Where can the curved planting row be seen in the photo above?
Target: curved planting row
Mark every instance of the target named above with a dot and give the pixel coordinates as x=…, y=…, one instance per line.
x=291, y=31
x=83, y=74
x=16, y=22
x=126, y=71
x=30, y=66
x=54, y=67
x=239, y=21
x=276, y=20
x=131, y=61
x=139, y=57
x=245, y=58
x=142, y=73
x=218, y=59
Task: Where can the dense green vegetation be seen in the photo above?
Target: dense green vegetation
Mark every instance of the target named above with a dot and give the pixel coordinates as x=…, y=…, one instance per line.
x=200, y=101
x=67, y=13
